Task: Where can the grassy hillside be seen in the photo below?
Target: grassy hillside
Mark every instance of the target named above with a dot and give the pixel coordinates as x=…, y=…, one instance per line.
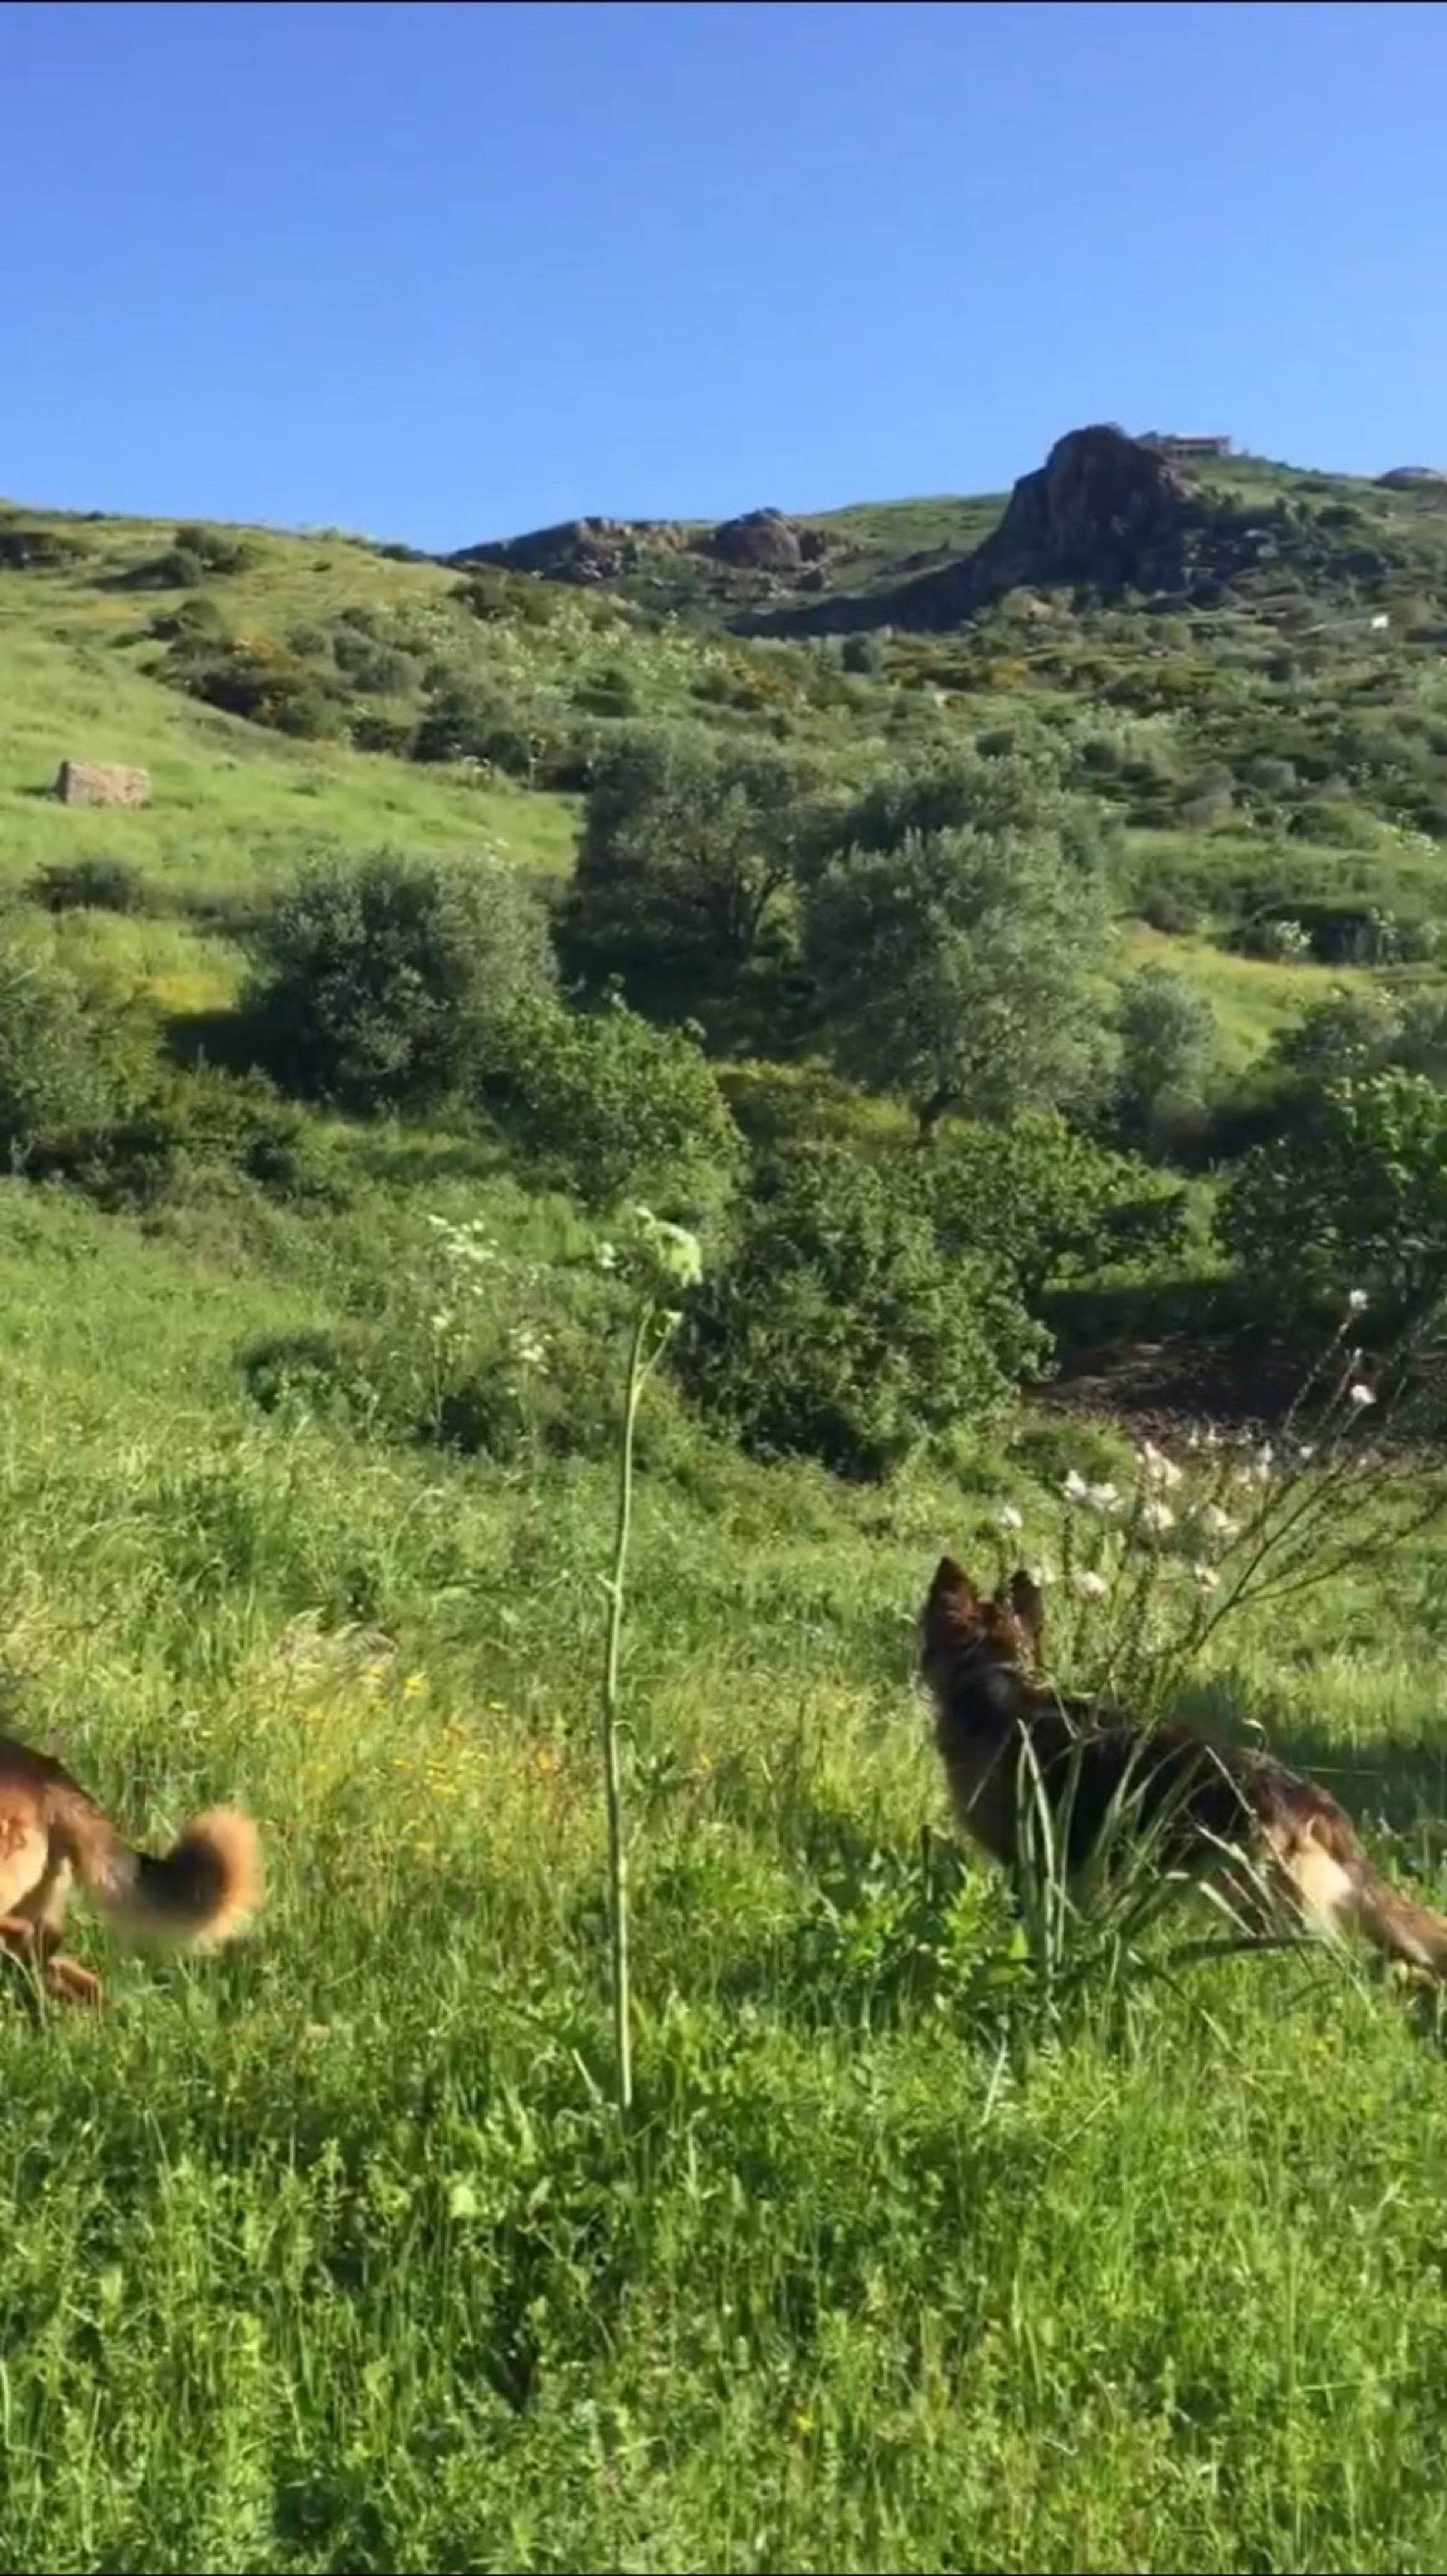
x=329, y=2253
x=326, y=2255
x=104, y=634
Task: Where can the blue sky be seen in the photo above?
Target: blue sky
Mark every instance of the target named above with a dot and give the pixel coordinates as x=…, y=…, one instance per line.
x=448, y=271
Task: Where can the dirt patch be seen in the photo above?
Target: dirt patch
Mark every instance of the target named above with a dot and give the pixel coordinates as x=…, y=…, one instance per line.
x=1244, y=1383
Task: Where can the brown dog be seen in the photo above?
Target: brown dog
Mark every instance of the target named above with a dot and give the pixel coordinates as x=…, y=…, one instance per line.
x=53, y=1833
x=1200, y=1806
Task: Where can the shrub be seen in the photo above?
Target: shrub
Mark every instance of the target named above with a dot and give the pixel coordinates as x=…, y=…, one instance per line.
x=175, y=568
x=90, y=885
x=214, y=549
x=863, y=654
x=370, y=662
x=1000, y=793
x=70, y=1059
x=1042, y=1204
x=196, y=620
x=391, y=734
x=255, y=677
x=837, y=1328
x=607, y=1106
x=1168, y=1048
x=469, y=721
x=1349, y=1031
x=200, y=1125
x=464, y=1349
x=382, y=983
x=27, y=549
x=1353, y=1196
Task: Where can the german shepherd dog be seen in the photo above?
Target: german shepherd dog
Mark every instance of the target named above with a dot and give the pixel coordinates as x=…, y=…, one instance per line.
x=1200, y=1808
x=54, y=1835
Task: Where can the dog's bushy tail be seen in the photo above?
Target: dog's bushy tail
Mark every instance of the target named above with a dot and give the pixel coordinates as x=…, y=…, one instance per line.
x=199, y=1895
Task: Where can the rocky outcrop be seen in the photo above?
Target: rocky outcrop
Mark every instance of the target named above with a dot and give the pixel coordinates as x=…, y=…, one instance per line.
x=101, y=782
x=581, y=550
x=1102, y=510
x=1409, y=478
x=765, y=541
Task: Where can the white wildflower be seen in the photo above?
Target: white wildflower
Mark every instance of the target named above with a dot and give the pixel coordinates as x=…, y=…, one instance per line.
x=1091, y=1587
x=1159, y=1468
x=1361, y=1396
x=1102, y=1498
x=1219, y=1523
x=1009, y=1518
x=1075, y=1488
x=1157, y=1516
x=1357, y=1302
x=607, y=1256
x=1306, y=1452
x=1206, y=1577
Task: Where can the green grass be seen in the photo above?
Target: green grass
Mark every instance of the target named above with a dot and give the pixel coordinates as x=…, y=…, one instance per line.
x=1253, y=998
x=326, y=2255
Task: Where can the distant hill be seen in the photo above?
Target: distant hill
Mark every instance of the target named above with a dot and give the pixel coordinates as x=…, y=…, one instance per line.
x=1245, y=663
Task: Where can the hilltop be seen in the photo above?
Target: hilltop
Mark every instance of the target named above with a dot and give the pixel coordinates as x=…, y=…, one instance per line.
x=1106, y=516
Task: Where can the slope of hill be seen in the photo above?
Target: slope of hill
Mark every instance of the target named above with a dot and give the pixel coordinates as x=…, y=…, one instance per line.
x=335, y=2251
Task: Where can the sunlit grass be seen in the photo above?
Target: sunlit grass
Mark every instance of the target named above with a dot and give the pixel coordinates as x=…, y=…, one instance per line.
x=328, y=2254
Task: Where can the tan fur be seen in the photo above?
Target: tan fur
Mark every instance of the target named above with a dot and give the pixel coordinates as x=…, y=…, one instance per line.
x=53, y=1836
x=980, y=1659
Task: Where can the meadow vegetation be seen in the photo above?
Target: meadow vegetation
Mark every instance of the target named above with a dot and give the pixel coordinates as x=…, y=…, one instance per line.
x=1002, y=1012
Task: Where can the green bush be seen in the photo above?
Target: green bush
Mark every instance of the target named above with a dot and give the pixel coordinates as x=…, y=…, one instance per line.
x=196, y=620
x=202, y=1126
x=466, y=720
x=260, y=680
x=90, y=885
x=609, y=1107
x=382, y=983
x=1168, y=1052
x=215, y=549
x=370, y=662
x=394, y=735
x=28, y=549
x=992, y=789
x=1043, y=1205
x=1353, y=1196
x=837, y=1328
x=71, y=1058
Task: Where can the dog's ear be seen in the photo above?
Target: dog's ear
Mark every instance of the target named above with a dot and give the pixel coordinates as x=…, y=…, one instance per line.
x=1028, y=1603
x=951, y=1583
x=952, y=1603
